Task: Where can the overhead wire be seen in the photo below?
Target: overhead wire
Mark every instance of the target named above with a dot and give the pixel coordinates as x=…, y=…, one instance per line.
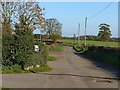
x=101, y=11
x=93, y=16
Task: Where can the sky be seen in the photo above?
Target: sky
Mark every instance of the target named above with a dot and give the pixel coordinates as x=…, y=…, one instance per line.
x=70, y=14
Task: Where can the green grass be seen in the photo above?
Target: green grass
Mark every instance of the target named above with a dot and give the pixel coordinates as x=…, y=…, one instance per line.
x=12, y=71
x=42, y=69
x=35, y=69
x=95, y=43
x=51, y=58
x=6, y=89
x=56, y=48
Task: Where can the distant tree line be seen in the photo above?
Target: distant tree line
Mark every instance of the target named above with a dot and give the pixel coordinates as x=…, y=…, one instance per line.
x=92, y=37
x=104, y=34
x=88, y=37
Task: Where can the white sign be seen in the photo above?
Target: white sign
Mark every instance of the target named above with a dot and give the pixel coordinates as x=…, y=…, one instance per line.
x=36, y=48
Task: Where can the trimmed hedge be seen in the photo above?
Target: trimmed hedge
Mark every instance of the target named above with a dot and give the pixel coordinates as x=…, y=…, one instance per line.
x=107, y=55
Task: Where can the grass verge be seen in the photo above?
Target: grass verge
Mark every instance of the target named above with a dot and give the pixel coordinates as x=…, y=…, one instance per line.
x=13, y=71
x=35, y=69
x=51, y=58
x=41, y=69
x=6, y=89
x=56, y=48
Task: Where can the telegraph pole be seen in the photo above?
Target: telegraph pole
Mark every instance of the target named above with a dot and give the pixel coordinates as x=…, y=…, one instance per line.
x=74, y=38
x=79, y=34
x=85, y=29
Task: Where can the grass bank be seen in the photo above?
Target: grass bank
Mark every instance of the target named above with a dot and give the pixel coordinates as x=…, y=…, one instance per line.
x=54, y=48
x=108, y=55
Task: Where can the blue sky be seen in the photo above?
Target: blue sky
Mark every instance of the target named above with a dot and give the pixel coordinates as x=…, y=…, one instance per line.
x=72, y=13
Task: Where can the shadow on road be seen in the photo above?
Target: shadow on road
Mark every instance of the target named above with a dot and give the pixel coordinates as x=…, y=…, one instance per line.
x=81, y=76
x=101, y=65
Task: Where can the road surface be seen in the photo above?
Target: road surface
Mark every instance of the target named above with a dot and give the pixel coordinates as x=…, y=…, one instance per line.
x=69, y=71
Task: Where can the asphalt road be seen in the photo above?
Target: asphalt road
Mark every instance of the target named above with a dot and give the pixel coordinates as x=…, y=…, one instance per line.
x=69, y=71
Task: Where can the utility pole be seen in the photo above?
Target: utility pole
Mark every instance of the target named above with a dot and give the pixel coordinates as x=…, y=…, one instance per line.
x=85, y=29
x=74, y=38
x=79, y=34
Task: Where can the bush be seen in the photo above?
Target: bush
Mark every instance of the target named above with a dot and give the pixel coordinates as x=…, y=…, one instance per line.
x=6, y=50
x=18, y=48
x=38, y=59
x=104, y=54
x=55, y=37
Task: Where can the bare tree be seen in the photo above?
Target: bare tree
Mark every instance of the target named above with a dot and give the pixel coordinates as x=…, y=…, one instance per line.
x=31, y=14
x=7, y=10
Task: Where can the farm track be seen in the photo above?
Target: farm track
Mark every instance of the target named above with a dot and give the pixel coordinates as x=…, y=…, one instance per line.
x=69, y=71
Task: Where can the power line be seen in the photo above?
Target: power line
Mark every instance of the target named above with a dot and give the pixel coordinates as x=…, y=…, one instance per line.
x=98, y=13
x=101, y=11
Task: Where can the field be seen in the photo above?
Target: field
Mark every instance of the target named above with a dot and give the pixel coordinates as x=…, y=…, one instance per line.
x=94, y=43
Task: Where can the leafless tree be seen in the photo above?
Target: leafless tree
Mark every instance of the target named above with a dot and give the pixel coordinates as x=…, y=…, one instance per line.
x=31, y=14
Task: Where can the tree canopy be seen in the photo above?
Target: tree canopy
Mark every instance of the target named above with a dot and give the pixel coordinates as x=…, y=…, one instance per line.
x=53, y=26
x=104, y=33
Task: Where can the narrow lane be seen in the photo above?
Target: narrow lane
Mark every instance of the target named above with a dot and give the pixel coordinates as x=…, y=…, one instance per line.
x=69, y=71
x=80, y=72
